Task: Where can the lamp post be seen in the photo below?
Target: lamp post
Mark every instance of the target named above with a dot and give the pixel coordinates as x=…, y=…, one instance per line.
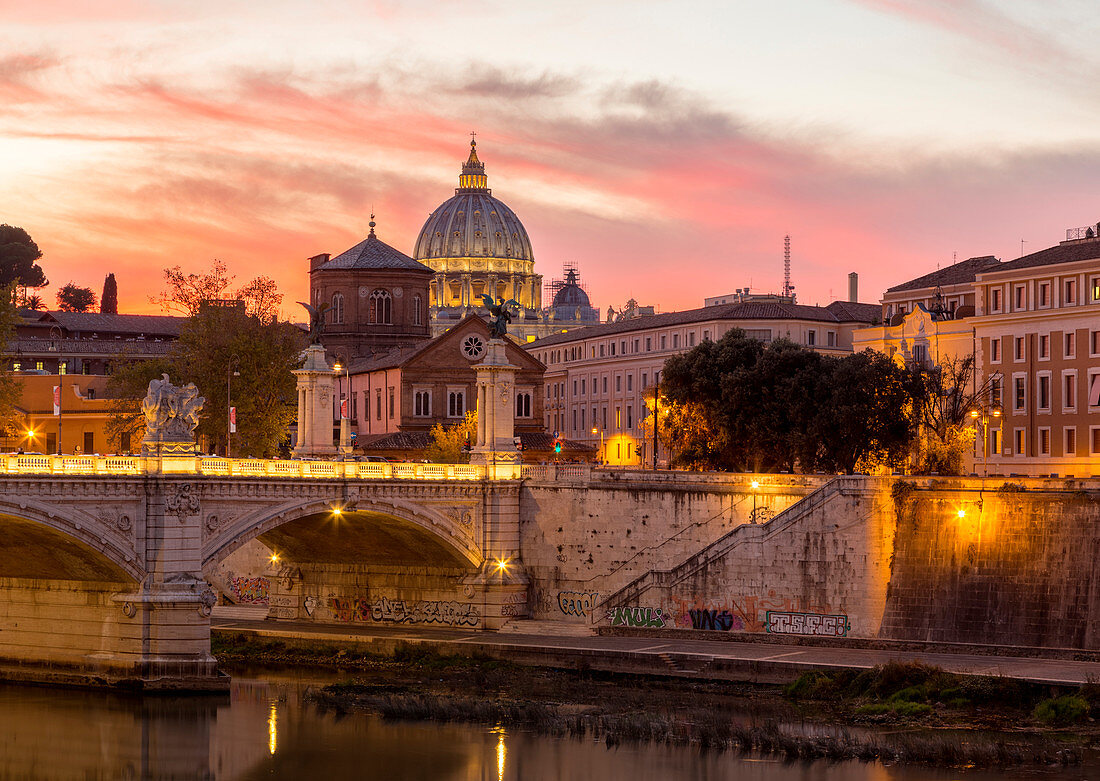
x=230, y=423
x=345, y=424
x=755, y=488
x=599, y=431
x=56, y=336
x=981, y=419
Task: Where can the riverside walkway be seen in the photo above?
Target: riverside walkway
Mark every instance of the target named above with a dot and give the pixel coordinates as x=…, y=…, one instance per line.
x=675, y=656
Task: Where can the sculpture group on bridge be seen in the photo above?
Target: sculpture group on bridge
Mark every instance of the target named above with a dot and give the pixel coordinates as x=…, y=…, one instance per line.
x=171, y=413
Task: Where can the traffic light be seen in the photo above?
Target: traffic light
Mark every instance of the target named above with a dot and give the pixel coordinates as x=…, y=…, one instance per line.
x=518, y=442
x=467, y=447
x=557, y=443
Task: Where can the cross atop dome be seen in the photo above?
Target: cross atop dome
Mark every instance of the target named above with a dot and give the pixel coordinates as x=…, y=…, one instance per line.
x=473, y=171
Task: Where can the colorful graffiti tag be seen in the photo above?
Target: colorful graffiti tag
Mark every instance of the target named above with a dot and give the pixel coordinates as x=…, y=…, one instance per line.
x=651, y=617
x=250, y=591
x=807, y=624
x=402, y=612
x=577, y=603
x=714, y=620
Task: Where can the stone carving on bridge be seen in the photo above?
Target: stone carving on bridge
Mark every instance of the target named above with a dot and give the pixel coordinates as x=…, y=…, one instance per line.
x=182, y=501
x=171, y=416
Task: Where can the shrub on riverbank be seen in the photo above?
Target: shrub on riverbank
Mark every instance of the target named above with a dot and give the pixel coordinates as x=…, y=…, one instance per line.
x=1062, y=711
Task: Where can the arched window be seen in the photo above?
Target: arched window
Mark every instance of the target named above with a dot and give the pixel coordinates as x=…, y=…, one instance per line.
x=381, y=307
x=417, y=320
x=338, y=308
x=523, y=405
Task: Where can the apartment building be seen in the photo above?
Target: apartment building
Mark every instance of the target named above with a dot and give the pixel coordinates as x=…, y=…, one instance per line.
x=597, y=377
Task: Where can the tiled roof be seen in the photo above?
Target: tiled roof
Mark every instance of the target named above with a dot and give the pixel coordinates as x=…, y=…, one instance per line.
x=955, y=274
x=855, y=312
x=745, y=310
x=373, y=253
x=390, y=359
x=161, y=325
x=1067, y=252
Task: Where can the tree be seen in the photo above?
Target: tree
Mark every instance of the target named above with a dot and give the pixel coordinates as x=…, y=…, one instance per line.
x=108, y=302
x=18, y=254
x=446, y=443
x=265, y=394
x=126, y=388
x=945, y=395
x=186, y=293
x=11, y=390
x=73, y=298
x=34, y=303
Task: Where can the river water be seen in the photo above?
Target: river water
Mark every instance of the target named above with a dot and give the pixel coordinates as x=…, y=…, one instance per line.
x=265, y=730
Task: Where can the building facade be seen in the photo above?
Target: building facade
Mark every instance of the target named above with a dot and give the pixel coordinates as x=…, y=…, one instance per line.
x=596, y=378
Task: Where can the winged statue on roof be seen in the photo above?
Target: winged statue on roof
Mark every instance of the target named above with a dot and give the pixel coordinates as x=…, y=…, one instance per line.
x=316, y=320
x=500, y=313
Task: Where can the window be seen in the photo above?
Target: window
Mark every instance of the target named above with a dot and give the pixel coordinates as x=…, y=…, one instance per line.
x=636, y=341
x=1069, y=441
x=124, y=441
x=604, y=410
x=1071, y=344
x=1071, y=292
x=664, y=342
x=995, y=350
x=574, y=389
x=338, y=308
x=675, y=341
x=89, y=393
x=648, y=344
x=619, y=418
x=456, y=403
x=1094, y=344
x=995, y=300
x=1069, y=391
x=994, y=442
x=601, y=351
x=1021, y=394
x=629, y=416
x=1021, y=297
x=811, y=338
x=645, y=380
x=1044, y=391
x=630, y=382
x=63, y=368
x=1018, y=348
x=1019, y=441
x=89, y=441
x=706, y=336
x=920, y=353
x=582, y=386
x=691, y=339
x=575, y=418
x=612, y=348
x=605, y=383
x=1044, y=441
x=392, y=406
x=523, y=406
x=1044, y=346
x=1044, y=294
x=618, y=383
x=378, y=404
x=39, y=365
x=1095, y=288
x=622, y=347
x=831, y=339
x=418, y=318
x=1094, y=440
x=1094, y=389
x=995, y=392
x=381, y=307
x=582, y=419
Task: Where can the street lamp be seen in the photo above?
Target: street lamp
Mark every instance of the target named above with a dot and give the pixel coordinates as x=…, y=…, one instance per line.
x=230, y=423
x=600, y=432
x=345, y=412
x=56, y=335
x=755, y=488
x=981, y=419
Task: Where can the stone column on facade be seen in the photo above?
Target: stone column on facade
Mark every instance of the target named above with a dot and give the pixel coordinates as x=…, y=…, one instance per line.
x=316, y=383
x=496, y=382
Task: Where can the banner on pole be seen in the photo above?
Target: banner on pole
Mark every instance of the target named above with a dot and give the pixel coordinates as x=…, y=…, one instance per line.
x=232, y=420
x=344, y=408
x=56, y=399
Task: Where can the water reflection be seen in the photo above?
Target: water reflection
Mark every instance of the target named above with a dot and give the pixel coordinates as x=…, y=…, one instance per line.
x=264, y=730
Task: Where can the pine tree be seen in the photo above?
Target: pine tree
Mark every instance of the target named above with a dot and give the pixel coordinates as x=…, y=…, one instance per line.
x=108, y=302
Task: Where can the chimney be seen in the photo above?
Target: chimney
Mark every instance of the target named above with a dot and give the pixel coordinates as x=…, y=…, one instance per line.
x=853, y=287
x=318, y=260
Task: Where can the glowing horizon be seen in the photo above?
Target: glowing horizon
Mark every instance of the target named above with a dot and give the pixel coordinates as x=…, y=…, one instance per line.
x=667, y=161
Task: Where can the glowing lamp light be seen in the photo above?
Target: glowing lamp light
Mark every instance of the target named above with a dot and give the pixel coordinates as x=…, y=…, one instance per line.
x=755, y=484
x=974, y=413
x=274, y=558
x=337, y=511
x=336, y=367
x=501, y=564
x=962, y=513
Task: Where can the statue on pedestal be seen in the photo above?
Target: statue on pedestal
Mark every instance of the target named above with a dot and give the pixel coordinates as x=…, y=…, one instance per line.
x=498, y=327
x=171, y=417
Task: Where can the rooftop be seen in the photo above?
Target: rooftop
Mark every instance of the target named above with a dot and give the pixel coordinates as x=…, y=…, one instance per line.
x=373, y=253
x=1066, y=252
x=956, y=274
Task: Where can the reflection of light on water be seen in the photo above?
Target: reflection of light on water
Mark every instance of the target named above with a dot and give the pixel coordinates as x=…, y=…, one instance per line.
x=272, y=729
x=501, y=753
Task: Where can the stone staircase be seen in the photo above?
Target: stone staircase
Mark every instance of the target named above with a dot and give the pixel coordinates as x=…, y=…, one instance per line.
x=240, y=612
x=631, y=593
x=687, y=664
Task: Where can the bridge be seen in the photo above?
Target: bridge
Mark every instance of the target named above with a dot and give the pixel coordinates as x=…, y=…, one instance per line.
x=102, y=571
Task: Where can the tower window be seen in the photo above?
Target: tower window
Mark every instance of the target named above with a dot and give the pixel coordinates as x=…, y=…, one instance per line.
x=417, y=317
x=381, y=307
x=338, y=308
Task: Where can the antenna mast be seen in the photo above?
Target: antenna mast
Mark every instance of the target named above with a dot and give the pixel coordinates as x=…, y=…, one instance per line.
x=787, y=289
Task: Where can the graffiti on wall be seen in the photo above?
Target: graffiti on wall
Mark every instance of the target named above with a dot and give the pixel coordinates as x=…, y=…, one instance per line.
x=652, y=617
x=782, y=623
x=400, y=611
x=514, y=605
x=748, y=613
x=714, y=620
x=250, y=591
x=577, y=603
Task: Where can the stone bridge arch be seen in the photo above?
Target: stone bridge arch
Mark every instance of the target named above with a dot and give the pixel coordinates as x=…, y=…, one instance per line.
x=52, y=542
x=450, y=536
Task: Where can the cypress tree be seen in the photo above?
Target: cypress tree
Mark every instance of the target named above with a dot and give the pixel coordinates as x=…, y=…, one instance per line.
x=108, y=302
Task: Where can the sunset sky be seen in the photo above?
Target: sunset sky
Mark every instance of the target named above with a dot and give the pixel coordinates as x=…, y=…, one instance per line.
x=663, y=147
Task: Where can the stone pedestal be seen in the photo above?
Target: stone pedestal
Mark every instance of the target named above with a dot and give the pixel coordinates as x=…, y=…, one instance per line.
x=496, y=383
x=316, y=381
